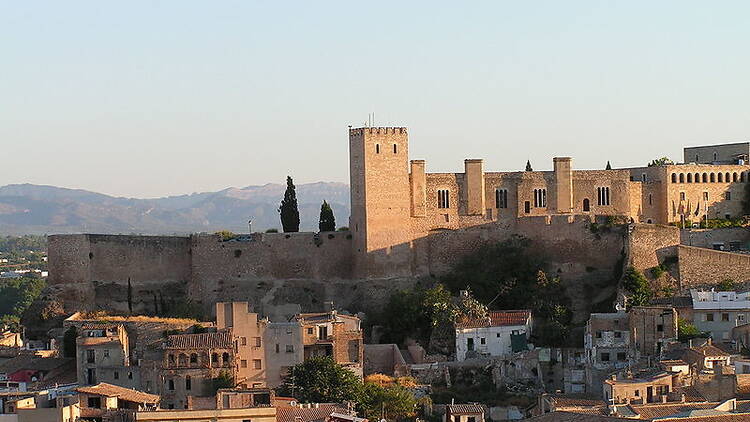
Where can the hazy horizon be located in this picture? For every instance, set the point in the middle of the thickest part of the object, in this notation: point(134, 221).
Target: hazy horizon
point(153, 99)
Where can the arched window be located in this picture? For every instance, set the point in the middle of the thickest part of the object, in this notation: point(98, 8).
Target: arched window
point(716, 156)
point(170, 385)
point(713, 177)
point(586, 205)
point(705, 177)
point(720, 178)
point(540, 198)
point(742, 177)
point(674, 178)
point(443, 198)
point(727, 178)
point(734, 177)
point(602, 196)
point(170, 357)
point(501, 198)
point(188, 383)
point(697, 178)
point(648, 221)
point(182, 359)
point(225, 358)
point(204, 359)
point(690, 178)
point(193, 358)
point(214, 359)
point(682, 178)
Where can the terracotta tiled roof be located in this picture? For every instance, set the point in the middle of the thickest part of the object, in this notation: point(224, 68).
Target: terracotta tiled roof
point(497, 319)
point(32, 362)
point(575, 417)
point(736, 417)
point(99, 325)
point(465, 408)
point(710, 350)
point(307, 414)
point(691, 393)
point(219, 340)
point(109, 390)
point(576, 400)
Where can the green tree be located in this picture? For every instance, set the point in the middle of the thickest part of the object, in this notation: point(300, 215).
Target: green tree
point(528, 166)
point(638, 286)
point(726, 285)
point(609, 166)
point(321, 380)
point(224, 380)
point(663, 161)
point(686, 330)
point(288, 208)
point(390, 402)
point(327, 221)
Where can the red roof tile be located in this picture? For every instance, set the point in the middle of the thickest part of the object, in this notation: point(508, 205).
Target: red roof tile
point(307, 414)
point(497, 319)
point(219, 340)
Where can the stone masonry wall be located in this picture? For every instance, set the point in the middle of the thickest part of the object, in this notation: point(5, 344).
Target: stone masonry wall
point(701, 267)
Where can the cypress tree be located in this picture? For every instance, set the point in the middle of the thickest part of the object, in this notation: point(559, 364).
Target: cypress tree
point(609, 166)
point(327, 221)
point(528, 166)
point(288, 208)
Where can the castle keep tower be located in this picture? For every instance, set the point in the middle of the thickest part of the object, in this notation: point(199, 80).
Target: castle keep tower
point(380, 199)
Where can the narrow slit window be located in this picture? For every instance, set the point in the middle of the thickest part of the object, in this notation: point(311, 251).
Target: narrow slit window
point(443, 198)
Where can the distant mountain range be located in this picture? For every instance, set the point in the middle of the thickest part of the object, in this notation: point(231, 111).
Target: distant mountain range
point(36, 209)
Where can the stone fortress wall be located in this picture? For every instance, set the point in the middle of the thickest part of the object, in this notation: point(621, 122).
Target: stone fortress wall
point(408, 224)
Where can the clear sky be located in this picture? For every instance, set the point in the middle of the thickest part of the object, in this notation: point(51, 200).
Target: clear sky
point(150, 98)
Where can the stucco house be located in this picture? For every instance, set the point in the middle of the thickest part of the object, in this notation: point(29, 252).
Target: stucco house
point(500, 334)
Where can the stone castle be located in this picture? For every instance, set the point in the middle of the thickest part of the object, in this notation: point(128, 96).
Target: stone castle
point(395, 202)
point(408, 224)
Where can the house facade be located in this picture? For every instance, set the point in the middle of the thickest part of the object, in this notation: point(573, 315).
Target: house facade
point(501, 334)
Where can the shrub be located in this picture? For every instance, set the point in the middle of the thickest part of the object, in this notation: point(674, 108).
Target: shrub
point(272, 231)
point(638, 286)
point(726, 285)
point(342, 229)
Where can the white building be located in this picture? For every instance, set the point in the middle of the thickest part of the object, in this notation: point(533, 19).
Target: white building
point(719, 312)
point(493, 336)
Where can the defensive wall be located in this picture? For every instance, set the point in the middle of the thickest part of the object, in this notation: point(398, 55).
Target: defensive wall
point(728, 238)
point(700, 267)
point(285, 273)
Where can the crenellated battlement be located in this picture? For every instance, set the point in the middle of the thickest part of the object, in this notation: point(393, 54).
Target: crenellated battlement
point(376, 130)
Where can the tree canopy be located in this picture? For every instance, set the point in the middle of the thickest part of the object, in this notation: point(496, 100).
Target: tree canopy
point(321, 380)
point(327, 222)
point(638, 286)
point(663, 161)
point(288, 209)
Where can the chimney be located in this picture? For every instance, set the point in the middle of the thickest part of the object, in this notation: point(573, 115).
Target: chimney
point(328, 306)
point(663, 398)
point(682, 398)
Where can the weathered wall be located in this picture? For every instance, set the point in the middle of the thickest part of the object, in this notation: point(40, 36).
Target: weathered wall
point(701, 267)
point(650, 244)
point(706, 238)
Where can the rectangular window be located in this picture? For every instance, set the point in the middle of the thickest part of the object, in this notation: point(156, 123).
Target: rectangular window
point(637, 393)
point(705, 196)
point(95, 402)
point(501, 198)
point(106, 353)
point(290, 348)
point(602, 196)
point(709, 317)
point(621, 356)
point(741, 317)
point(482, 340)
point(116, 375)
point(243, 363)
point(725, 317)
point(310, 330)
point(598, 334)
point(659, 327)
point(90, 356)
point(243, 341)
point(618, 334)
point(257, 341)
point(605, 357)
point(728, 195)
point(682, 196)
point(256, 364)
point(277, 347)
point(443, 198)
